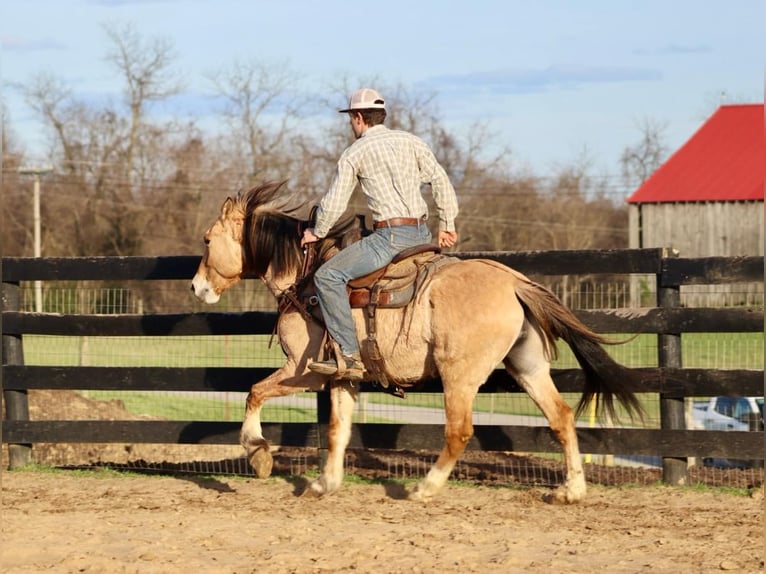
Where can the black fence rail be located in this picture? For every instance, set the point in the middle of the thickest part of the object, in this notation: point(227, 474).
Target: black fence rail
point(668, 320)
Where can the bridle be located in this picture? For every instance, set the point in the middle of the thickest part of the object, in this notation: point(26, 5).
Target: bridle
point(292, 298)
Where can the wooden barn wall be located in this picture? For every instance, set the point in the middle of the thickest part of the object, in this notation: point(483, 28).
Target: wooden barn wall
point(706, 229)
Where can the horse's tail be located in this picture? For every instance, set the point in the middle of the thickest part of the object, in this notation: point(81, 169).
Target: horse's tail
point(605, 379)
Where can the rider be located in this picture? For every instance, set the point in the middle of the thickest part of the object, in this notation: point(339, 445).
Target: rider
point(390, 166)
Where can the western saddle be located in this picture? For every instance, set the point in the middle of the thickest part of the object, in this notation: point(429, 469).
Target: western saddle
point(392, 286)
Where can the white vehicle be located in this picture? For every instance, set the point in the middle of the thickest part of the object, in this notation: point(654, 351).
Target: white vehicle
point(729, 413)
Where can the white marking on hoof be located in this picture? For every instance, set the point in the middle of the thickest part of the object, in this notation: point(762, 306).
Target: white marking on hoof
point(315, 489)
point(420, 494)
point(262, 462)
point(563, 495)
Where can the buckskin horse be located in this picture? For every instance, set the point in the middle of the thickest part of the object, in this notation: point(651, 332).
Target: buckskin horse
point(465, 319)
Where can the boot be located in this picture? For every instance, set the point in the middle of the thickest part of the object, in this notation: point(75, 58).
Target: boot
point(354, 367)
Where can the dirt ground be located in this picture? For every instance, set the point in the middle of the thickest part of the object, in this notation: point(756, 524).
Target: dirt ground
point(112, 522)
point(172, 519)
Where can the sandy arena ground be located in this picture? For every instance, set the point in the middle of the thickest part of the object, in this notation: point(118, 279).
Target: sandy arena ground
point(110, 522)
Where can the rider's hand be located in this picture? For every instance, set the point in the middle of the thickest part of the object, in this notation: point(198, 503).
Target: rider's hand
point(308, 236)
point(447, 238)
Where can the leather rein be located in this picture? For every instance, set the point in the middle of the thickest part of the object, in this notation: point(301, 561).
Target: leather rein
point(292, 297)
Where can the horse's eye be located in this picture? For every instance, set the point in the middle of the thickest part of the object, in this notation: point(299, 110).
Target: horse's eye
point(207, 240)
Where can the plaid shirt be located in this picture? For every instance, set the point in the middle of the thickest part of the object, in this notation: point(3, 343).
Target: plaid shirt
point(390, 166)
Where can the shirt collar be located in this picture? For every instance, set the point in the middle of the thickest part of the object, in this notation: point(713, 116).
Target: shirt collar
point(375, 129)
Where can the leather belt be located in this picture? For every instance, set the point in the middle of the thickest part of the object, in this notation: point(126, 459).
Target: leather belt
point(398, 221)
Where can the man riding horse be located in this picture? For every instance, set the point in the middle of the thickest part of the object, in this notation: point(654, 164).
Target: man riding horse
point(390, 166)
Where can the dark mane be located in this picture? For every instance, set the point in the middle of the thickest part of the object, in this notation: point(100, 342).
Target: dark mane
point(273, 230)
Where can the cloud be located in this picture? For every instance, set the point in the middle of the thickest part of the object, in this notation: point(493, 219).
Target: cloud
point(674, 50)
point(17, 44)
point(552, 78)
point(681, 49)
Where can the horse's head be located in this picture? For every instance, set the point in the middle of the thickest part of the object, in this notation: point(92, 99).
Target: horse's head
point(221, 265)
point(259, 233)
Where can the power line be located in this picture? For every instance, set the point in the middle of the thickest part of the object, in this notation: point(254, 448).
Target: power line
point(232, 186)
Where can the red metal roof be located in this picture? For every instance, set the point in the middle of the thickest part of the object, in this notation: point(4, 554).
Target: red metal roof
point(725, 160)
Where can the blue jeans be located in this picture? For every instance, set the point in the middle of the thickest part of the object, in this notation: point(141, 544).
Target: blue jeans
point(358, 259)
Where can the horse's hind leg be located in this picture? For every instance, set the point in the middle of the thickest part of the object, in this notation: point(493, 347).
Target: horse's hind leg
point(343, 398)
point(528, 363)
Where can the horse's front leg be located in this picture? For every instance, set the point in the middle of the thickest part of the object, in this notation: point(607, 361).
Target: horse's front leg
point(343, 397)
point(280, 383)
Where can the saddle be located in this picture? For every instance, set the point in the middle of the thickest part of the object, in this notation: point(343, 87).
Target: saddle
point(395, 284)
point(392, 286)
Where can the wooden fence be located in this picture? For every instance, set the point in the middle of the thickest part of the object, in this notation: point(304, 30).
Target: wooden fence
point(667, 319)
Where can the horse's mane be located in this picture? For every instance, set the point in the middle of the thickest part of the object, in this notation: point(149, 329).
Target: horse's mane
point(272, 232)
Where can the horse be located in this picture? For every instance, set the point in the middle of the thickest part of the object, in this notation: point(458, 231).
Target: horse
point(467, 318)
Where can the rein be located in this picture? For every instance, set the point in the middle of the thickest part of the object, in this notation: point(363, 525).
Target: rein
point(314, 254)
point(291, 297)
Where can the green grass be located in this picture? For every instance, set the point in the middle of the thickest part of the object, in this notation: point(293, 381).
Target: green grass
point(109, 472)
point(99, 472)
point(350, 478)
point(175, 407)
point(167, 406)
point(225, 351)
point(699, 350)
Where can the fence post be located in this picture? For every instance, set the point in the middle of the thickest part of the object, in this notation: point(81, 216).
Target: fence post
point(16, 402)
point(672, 415)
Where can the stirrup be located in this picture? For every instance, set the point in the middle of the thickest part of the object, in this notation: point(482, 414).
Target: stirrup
point(347, 368)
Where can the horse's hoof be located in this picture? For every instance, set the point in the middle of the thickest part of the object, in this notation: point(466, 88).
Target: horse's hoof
point(262, 462)
point(312, 492)
point(315, 489)
point(560, 496)
point(419, 495)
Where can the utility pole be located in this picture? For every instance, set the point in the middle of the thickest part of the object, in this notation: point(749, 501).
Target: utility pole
point(36, 173)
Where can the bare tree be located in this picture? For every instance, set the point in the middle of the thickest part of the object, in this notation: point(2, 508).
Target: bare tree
point(146, 66)
point(128, 185)
point(260, 107)
point(100, 149)
point(642, 159)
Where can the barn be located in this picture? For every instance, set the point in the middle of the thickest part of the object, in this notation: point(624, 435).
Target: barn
point(707, 198)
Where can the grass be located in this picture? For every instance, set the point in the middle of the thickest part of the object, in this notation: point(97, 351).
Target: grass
point(730, 490)
point(224, 351)
point(167, 406)
point(100, 472)
point(175, 407)
point(108, 472)
point(699, 350)
point(350, 478)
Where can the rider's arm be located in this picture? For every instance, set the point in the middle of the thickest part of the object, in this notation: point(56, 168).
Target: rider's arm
point(335, 201)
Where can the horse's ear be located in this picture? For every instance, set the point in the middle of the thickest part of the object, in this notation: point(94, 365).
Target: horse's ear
point(227, 207)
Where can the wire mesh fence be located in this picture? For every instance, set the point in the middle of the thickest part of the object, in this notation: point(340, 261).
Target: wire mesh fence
point(699, 350)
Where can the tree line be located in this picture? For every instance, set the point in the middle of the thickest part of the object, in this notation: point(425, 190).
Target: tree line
point(129, 180)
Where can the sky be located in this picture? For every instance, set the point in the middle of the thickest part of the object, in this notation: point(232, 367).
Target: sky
point(554, 81)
